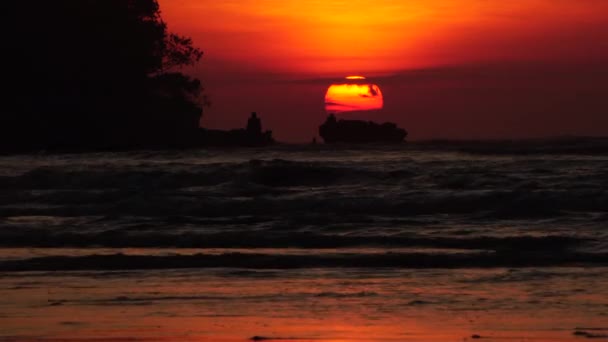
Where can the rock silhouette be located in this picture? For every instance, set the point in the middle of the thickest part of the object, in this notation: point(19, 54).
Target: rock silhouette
point(357, 131)
point(252, 135)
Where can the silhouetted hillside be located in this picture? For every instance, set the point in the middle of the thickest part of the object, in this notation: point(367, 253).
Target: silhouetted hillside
point(89, 74)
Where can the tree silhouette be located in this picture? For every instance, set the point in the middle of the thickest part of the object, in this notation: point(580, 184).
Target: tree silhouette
point(96, 74)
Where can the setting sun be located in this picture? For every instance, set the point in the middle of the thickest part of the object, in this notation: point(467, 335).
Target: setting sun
point(350, 97)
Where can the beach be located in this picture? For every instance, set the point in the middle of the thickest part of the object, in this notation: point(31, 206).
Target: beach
point(305, 243)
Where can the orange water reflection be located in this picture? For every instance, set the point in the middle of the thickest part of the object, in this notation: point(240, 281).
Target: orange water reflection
point(305, 305)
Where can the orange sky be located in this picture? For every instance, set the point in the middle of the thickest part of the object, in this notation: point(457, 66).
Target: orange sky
point(339, 36)
point(248, 41)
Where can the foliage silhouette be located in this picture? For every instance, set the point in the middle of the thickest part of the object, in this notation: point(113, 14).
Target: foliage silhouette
point(96, 74)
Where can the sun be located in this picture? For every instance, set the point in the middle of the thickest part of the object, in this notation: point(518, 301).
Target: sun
point(353, 96)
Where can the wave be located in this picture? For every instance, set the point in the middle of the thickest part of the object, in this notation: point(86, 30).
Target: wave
point(122, 238)
point(535, 274)
point(488, 204)
point(275, 172)
point(487, 189)
point(267, 261)
point(578, 145)
point(150, 299)
point(452, 173)
point(317, 199)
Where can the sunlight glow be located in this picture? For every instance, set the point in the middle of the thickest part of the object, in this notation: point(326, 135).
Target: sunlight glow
point(333, 37)
point(342, 98)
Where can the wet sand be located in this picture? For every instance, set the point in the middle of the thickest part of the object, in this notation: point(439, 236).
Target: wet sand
point(226, 305)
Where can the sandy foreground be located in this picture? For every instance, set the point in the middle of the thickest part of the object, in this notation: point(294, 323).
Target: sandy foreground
point(557, 304)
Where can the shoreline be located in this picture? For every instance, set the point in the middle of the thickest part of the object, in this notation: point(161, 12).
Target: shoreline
point(306, 305)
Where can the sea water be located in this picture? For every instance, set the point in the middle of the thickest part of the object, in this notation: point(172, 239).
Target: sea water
point(415, 242)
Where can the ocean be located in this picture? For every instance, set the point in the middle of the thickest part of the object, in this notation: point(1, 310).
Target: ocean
point(436, 241)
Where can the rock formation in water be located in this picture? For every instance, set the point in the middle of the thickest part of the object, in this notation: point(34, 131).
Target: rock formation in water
point(252, 135)
point(357, 131)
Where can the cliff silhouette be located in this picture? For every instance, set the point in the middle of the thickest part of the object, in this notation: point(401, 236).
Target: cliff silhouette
point(357, 131)
point(96, 74)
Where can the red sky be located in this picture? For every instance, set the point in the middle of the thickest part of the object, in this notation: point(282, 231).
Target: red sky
point(464, 69)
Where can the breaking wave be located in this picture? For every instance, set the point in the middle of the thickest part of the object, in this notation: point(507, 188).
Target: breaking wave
point(266, 261)
point(551, 201)
point(243, 239)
